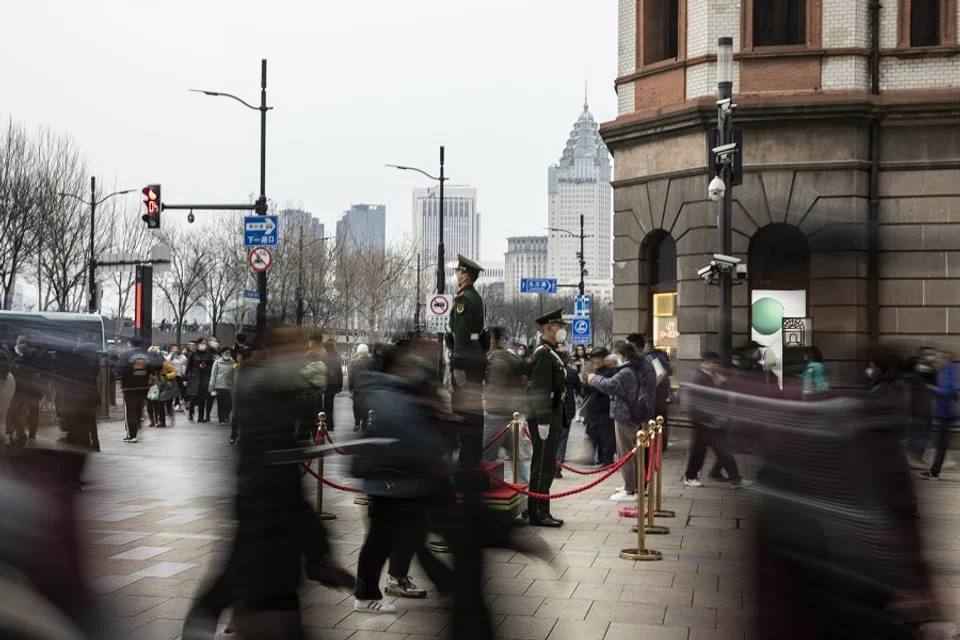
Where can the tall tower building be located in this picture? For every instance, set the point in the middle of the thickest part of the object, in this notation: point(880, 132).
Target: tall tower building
point(526, 257)
point(461, 232)
point(363, 227)
point(580, 185)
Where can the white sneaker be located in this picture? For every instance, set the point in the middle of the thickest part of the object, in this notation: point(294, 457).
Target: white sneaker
point(692, 483)
point(624, 496)
point(373, 606)
point(130, 440)
point(741, 483)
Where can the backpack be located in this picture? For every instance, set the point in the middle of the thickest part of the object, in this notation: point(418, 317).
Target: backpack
point(638, 407)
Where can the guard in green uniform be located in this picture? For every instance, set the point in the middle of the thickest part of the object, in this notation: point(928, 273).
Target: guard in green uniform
point(468, 361)
point(548, 386)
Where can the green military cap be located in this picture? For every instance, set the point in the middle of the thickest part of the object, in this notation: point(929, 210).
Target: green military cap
point(468, 265)
point(553, 316)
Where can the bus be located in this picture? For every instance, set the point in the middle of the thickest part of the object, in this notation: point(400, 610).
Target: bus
point(52, 330)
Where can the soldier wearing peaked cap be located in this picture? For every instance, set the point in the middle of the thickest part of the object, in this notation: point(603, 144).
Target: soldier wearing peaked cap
point(548, 386)
point(468, 361)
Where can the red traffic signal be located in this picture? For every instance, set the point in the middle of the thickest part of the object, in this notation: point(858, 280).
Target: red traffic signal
point(151, 199)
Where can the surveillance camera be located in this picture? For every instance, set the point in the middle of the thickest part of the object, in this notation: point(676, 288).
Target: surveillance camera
point(717, 189)
point(723, 103)
point(727, 261)
point(190, 217)
point(725, 149)
point(706, 273)
point(741, 272)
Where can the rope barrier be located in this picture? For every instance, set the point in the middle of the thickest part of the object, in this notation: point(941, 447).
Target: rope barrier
point(330, 440)
point(585, 472)
point(332, 485)
point(563, 494)
point(490, 443)
point(649, 472)
point(659, 456)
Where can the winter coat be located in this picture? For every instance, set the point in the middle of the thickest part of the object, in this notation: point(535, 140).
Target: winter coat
point(33, 370)
point(334, 370)
point(574, 389)
point(315, 375)
point(624, 392)
point(504, 392)
point(167, 372)
point(418, 463)
point(663, 389)
point(221, 376)
point(199, 368)
point(356, 370)
point(945, 392)
point(596, 405)
point(815, 379)
point(136, 368)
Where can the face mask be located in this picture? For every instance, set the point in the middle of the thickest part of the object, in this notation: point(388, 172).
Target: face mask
point(203, 347)
point(214, 345)
point(869, 372)
point(521, 352)
point(931, 358)
point(561, 336)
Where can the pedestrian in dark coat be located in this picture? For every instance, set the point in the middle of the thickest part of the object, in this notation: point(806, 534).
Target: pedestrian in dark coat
point(199, 367)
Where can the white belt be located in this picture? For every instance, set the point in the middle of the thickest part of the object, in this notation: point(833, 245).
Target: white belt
point(474, 336)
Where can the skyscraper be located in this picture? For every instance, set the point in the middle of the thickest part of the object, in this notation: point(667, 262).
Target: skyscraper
point(526, 257)
point(580, 185)
point(363, 227)
point(461, 233)
point(293, 221)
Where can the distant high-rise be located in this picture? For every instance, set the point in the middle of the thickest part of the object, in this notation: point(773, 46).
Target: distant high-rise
point(580, 185)
point(461, 223)
point(293, 221)
point(526, 257)
point(363, 227)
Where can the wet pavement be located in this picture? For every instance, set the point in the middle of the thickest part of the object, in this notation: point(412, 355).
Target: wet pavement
point(157, 517)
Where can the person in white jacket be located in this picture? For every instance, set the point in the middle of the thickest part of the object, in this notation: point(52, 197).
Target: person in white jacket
point(221, 384)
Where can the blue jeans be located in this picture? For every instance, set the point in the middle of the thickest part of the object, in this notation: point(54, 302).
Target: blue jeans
point(941, 440)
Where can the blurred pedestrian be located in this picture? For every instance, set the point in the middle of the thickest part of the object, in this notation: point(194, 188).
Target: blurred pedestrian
point(504, 393)
point(313, 381)
point(33, 370)
point(816, 382)
point(334, 381)
point(357, 368)
point(596, 407)
point(660, 362)
point(136, 367)
point(221, 384)
point(944, 393)
point(579, 361)
point(77, 380)
point(921, 374)
point(573, 396)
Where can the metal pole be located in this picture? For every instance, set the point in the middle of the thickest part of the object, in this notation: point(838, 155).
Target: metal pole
point(262, 201)
point(583, 261)
point(92, 302)
point(516, 448)
point(441, 285)
point(300, 278)
point(724, 233)
point(416, 312)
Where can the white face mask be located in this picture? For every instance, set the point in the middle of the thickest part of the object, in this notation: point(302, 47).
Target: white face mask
point(203, 347)
point(561, 336)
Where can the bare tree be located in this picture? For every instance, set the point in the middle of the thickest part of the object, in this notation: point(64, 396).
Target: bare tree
point(182, 284)
point(226, 268)
point(20, 195)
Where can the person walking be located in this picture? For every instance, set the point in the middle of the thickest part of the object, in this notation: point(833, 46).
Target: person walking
point(944, 393)
point(921, 377)
point(357, 368)
point(548, 388)
point(660, 362)
point(199, 366)
point(135, 367)
point(503, 395)
point(631, 395)
point(164, 379)
point(313, 381)
point(710, 431)
point(179, 361)
point(334, 381)
point(33, 371)
point(221, 384)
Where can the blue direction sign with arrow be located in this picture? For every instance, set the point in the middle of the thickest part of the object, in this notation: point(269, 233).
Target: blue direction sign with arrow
point(538, 285)
point(581, 331)
point(261, 231)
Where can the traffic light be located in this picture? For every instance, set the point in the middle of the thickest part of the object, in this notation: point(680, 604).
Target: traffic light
point(151, 199)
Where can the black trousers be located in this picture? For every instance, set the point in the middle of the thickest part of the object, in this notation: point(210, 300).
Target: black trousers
point(133, 404)
point(716, 439)
point(395, 523)
point(157, 412)
point(224, 404)
point(662, 409)
point(401, 555)
point(542, 465)
point(601, 431)
point(328, 399)
point(25, 409)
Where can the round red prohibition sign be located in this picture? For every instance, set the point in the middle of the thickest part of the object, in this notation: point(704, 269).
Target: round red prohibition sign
point(260, 259)
point(439, 305)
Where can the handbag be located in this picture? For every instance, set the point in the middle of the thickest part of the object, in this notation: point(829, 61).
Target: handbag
point(154, 393)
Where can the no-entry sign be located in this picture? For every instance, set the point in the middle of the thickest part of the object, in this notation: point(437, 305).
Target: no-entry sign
point(260, 259)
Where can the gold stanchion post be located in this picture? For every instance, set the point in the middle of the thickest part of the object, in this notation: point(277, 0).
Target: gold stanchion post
point(660, 512)
point(640, 553)
point(364, 500)
point(516, 447)
point(651, 527)
point(321, 438)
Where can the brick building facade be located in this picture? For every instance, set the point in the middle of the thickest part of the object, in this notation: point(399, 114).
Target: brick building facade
point(850, 201)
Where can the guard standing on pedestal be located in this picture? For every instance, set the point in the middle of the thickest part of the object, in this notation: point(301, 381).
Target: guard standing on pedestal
point(548, 387)
point(468, 362)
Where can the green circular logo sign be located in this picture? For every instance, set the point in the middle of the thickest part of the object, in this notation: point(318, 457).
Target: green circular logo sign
point(767, 316)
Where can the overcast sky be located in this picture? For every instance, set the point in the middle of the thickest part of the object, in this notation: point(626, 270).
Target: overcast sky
point(355, 85)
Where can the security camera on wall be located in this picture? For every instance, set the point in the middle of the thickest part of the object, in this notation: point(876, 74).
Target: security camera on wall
point(717, 189)
point(726, 261)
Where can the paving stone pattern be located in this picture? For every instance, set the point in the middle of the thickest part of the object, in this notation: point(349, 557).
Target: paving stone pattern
point(157, 518)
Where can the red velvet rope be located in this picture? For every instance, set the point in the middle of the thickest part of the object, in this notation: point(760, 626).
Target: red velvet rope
point(659, 458)
point(650, 457)
point(585, 472)
point(562, 494)
point(332, 485)
point(488, 444)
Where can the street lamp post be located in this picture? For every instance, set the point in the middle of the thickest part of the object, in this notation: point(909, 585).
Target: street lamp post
point(441, 276)
point(261, 204)
point(581, 258)
point(92, 264)
point(725, 204)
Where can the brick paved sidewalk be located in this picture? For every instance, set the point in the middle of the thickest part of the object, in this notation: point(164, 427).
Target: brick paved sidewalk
point(157, 516)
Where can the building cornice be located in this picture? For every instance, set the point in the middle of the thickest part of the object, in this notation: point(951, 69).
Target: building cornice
point(700, 114)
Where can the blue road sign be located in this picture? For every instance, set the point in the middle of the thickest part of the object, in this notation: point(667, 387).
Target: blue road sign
point(581, 331)
point(261, 231)
point(538, 285)
point(252, 295)
point(581, 306)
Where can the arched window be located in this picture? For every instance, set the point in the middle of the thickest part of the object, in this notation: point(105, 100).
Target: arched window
point(661, 256)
